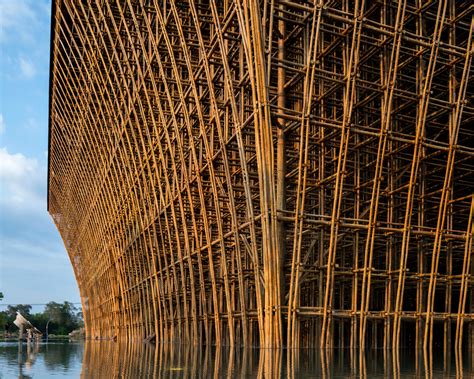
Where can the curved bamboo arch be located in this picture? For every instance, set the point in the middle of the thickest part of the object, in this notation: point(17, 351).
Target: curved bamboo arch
point(272, 173)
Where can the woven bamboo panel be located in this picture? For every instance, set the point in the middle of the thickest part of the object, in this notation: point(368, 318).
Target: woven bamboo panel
point(271, 173)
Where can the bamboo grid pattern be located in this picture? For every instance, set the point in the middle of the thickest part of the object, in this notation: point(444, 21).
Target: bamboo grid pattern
point(273, 173)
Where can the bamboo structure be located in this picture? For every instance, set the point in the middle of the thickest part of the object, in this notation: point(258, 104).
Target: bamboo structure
point(266, 173)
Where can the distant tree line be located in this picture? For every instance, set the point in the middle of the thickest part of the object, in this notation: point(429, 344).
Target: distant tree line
point(57, 318)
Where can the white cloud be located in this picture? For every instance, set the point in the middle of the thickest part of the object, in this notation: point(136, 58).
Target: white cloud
point(14, 16)
point(30, 245)
point(46, 256)
point(41, 263)
point(22, 182)
point(27, 234)
point(27, 68)
point(2, 124)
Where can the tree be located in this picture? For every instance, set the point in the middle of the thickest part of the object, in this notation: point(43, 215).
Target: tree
point(62, 318)
point(24, 309)
point(57, 318)
point(9, 315)
point(3, 321)
point(39, 321)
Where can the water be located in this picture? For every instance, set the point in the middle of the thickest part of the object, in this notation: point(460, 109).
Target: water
point(107, 359)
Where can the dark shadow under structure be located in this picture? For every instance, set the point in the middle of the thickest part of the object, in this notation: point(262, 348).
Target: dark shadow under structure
point(266, 173)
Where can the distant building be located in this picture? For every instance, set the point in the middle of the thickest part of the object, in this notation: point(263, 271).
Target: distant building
point(281, 173)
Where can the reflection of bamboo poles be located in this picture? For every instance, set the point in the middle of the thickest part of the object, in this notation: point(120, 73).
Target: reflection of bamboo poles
point(270, 364)
point(459, 363)
point(274, 173)
point(325, 368)
point(107, 359)
point(428, 362)
point(131, 359)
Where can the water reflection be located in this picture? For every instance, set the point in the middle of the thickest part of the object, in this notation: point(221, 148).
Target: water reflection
point(26, 363)
point(170, 361)
point(28, 360)
point(108, 359)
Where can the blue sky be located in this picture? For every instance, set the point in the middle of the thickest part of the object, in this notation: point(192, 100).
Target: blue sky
point(34, 266)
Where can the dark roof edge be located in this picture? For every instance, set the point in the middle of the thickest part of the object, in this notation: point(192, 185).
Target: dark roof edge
point(51, 65)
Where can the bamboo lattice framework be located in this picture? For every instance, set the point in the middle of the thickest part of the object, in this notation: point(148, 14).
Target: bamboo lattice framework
point(273, 173)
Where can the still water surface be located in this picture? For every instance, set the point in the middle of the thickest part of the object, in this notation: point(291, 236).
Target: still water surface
point(103, 359)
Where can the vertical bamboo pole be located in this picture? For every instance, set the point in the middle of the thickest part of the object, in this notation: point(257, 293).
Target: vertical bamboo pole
point(281, 150)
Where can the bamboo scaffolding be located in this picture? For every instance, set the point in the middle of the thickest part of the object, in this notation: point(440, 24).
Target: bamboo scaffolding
point(266, 173)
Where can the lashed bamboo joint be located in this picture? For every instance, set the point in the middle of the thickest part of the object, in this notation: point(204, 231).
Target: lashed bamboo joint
point(272, 173)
